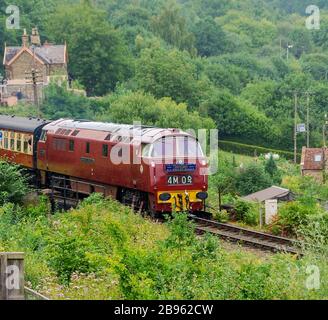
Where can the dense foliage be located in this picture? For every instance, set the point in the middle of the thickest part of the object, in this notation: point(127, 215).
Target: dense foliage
point(104, 251)
point(13, 183)
point(223, 59)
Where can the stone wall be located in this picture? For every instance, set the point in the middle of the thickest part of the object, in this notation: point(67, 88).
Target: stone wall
point(316, 174)
point(26, 90)
point(25, 62)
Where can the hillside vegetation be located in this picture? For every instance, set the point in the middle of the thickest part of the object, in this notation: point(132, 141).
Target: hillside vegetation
point(188, 63)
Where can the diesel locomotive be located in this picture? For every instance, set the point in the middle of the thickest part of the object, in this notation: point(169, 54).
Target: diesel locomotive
point(154, 169)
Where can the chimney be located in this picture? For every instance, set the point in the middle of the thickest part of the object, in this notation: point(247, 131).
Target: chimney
point(25, 39)
point(35, 37)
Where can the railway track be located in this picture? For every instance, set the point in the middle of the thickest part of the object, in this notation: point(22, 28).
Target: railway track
point(260, 240)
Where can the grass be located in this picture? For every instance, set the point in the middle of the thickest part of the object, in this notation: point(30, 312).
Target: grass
point(240, 159)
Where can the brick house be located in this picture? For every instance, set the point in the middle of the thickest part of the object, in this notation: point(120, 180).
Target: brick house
point(313, 162)
point(48, 59)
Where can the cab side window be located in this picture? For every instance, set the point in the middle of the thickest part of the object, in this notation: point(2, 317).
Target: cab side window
point(87, 147)
point(71, 145)
point(105, 150)
point(43, 136)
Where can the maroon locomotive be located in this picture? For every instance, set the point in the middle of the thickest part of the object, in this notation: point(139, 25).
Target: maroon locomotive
point(159, 170)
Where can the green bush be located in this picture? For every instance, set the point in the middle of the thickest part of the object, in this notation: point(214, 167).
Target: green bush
point(221, 216)
point(252, 178)
point(68, 255)
point(294, 215)
point(13, 183)
point(246, 212)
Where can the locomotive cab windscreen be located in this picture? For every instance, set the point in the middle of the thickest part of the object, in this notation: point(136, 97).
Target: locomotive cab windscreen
point(174, 147)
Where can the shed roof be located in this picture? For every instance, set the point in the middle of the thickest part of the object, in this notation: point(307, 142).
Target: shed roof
point(268, 194)
point(20, 123)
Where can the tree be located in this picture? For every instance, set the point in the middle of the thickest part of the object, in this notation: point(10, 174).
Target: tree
point(236, 118)
point(252, 179)
point(127, 107)
point(98, 57)
point(167, 73)
point(171, 26)
point(271, 167)
point(224, 180)
point(210, 38)
point(60, 103)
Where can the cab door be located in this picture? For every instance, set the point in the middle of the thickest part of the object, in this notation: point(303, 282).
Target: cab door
point(42, 151)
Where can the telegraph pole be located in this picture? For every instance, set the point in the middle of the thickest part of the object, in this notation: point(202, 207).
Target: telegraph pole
point(33, 77)
point(295, 128)
point(324, 158)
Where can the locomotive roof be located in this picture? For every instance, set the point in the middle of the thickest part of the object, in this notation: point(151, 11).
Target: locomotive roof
point(20, 123)
point(147, 133)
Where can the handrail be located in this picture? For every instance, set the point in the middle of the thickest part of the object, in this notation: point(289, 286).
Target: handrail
point(35, 295)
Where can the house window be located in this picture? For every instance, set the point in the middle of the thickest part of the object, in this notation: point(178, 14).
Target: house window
point(317, 158)
point(105, 150)
point(87, 147)
point(71, 145)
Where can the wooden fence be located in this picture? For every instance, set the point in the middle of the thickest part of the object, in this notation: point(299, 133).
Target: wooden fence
point(12, 282)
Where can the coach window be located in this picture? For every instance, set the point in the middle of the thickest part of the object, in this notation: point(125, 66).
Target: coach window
point(6, 140)
point(105, 150)
point(19, 142)
point(12, 141)
point(87, 147)
point(25, 146)
point(71, 145)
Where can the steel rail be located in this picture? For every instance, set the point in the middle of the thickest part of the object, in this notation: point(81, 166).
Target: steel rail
point(245, 236)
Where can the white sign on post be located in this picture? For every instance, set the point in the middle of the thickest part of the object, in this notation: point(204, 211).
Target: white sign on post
point(271, 210)
point(301, 128)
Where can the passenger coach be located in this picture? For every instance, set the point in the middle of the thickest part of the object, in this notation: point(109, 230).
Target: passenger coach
point(18, 139)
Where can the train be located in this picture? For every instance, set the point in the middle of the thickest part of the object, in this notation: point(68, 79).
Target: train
point(155, 169)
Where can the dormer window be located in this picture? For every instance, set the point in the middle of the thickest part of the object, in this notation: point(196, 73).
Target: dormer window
point(317, 158)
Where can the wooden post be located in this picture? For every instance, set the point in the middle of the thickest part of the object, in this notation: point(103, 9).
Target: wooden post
point(12, 276)
point(308, 120)
point(295, 128)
